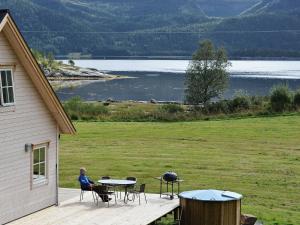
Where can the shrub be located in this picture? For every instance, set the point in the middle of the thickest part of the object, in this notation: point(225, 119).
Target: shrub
point(172, 108)
point(71, 62)
point(93, 109)
point(281, 98)
point(257, 101)
point(296, 100)
point(240, 103)
point(77, 109)
point(73, 104)
point(217, 107)
point(74, 116)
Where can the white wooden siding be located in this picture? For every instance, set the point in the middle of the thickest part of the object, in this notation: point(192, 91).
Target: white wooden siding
point(29, 121)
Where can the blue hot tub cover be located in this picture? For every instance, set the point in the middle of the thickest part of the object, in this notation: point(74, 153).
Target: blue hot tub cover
point(211, 195)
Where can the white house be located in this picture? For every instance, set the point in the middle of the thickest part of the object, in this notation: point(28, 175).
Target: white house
point(31, 119)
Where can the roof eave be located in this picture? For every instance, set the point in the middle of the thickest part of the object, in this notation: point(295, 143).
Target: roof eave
point(10, 29)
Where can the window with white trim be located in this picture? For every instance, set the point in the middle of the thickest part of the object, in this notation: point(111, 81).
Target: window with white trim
point(39, 165)
point(7, 95)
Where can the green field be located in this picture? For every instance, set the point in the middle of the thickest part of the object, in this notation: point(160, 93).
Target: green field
point(258, 157)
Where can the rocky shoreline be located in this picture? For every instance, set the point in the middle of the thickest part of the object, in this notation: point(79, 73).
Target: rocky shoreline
point(69, 72)
point(72, 76)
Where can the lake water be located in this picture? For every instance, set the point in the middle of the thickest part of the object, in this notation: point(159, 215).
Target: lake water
point(163, 80)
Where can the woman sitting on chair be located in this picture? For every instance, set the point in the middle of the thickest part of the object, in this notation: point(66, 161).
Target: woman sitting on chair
point(89, 185)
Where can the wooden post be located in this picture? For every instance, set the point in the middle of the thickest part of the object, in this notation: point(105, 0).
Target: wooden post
point(176, 214)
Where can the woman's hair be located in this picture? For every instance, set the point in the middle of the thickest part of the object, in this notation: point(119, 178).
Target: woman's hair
point(82, 170)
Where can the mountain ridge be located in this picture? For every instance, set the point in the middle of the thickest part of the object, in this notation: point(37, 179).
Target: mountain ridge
point(152, 27)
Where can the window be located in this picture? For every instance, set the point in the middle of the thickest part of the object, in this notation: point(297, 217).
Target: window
point(39, 165)
point(6, 88)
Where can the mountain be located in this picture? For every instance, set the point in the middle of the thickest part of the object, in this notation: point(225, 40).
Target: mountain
point(158, 28)
point(269, 28)
point(274, 6)
point(63, 26)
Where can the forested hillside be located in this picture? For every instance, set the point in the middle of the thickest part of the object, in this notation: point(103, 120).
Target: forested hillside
point(158, 28)
point(270, 28)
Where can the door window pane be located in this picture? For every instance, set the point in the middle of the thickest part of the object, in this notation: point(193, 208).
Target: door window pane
point(39, 165)
point(42, 155)
point(36, 156)
point(3, 78)
point(5, 95)
point(11, 95)
point(36, 169)
point(7, 89)
point(9, 78)
point(42, 169)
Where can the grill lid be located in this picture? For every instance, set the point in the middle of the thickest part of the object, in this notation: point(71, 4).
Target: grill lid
point(170, 176)
point(211, 195)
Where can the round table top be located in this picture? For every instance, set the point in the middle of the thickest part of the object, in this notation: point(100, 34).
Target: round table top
point(117, 182)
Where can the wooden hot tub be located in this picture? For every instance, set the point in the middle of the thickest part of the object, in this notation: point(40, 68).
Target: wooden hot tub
point(210, 207)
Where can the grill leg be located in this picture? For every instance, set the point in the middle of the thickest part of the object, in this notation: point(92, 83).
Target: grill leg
point(167, 187)
point(172, 190)
point(160, 191)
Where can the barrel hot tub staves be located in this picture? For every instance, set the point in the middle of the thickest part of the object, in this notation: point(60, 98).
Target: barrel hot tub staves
point(210, 207)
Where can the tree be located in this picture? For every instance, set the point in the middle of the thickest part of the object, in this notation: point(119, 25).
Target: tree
point(71, 62)
point(206, 76)
point(297, 99)
point(281, 98)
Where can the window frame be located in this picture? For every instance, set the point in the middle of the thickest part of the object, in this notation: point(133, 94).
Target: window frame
point(44, 179)
point(1, 88)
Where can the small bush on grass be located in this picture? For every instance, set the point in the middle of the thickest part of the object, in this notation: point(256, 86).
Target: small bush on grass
point(296, 99)
point(239, 103)
point(259, 104)
point(281, 98)
point(217, 107)
point(77, 109)
point(74, 116)
point(172, 108)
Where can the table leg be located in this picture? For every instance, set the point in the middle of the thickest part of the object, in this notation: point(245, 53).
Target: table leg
point(125, 194)
point(119, 189)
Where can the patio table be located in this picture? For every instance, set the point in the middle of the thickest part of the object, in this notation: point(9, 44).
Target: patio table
point(116, 182)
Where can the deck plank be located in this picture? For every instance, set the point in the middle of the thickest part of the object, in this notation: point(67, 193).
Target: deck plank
point(72, 212)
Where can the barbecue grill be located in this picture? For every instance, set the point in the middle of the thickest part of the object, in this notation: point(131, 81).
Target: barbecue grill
point(170, 176)
point(169, 179)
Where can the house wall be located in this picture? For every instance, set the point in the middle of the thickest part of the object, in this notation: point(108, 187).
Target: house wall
point(29, 121)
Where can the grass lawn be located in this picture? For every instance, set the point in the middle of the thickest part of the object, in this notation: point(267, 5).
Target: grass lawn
point(258, 157)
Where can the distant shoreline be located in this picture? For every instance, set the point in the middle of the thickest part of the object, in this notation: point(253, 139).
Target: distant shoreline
point(72, 82)
point(179, 58)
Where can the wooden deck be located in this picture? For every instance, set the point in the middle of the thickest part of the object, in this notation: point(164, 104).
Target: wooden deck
point(73, 212)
